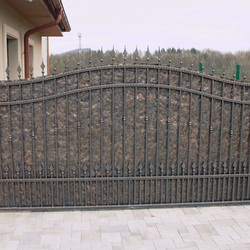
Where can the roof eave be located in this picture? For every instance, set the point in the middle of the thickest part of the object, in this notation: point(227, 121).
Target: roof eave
point(51, 6)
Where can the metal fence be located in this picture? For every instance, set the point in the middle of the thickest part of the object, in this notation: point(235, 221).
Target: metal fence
point(124, 135)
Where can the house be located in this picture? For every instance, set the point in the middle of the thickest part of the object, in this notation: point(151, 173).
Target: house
point(30, 17)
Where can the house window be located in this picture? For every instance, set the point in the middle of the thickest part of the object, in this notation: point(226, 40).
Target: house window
point(31, 52)
point(12, 56)
point(12, 50)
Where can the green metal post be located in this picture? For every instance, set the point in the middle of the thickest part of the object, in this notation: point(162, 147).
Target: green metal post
point(200, 67)
point(238, 72)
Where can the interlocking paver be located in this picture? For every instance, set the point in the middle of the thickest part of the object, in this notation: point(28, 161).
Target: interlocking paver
point(223, 240)
point(170, 234)
point(141, 213)
point(172, 226)
point(110, 237)
point(150, 233)
point(91, 236)
point(206, 230)
point(81, 225)
point(132, 241)
point(137, 224)
point(31, 238)
point(164, 243)
point(239, 246)
point(153, 220)
point(9, 245)
point(114, 228)
point(101, 245)
point(191, 210)
point(224, 227)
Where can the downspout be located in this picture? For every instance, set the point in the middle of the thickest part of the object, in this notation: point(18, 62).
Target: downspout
point(47, 55)
point(35, 30)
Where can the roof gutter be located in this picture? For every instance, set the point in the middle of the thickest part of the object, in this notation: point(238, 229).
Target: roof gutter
point(35, 30)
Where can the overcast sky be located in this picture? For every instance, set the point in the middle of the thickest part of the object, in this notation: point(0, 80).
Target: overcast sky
point(222, 25)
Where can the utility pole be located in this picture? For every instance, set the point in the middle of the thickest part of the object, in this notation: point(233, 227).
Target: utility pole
point(80, 38)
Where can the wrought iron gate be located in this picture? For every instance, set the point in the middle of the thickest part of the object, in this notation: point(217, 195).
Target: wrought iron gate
point(123, 135)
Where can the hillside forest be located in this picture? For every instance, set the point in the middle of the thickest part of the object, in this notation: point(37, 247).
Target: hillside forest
point(208, 61)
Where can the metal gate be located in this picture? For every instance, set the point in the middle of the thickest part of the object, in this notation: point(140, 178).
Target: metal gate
point(124, 135)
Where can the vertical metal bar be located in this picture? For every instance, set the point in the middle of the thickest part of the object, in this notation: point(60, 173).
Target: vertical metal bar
point(74, 182)
point(220, 169)
point(240, 160)
point(193, 180)
point(22, 145)
point(244, 181)
point(101, 141)
point(29, 173)
point(189, 135)
point(230, 145)
point(146, 141)
point(157, 141)
point(18, 185)
point(151, 194)
point(234, 180)
point(200, 147)
point(52, 190)
point(8, 191)
point(118, 188)
point(178, 141)
point(45, 145)
point(161, 194)
point(210, 141)
point(203, 181)
point(129, 188)
point(248, 182)
point(124, 134)
point(172, 184)
point(84, 200)
point(63, 187)
point(214, 181)
point(135, 153)
point(1, 173)
point(183, 181)
point(224, 179)
point(1, 170)
point(67, 134)
point(11, 150)
point(168, 134)
point(79, 137)
point(107, 190)
point(41, 188)
point(90, 143)
point(90, 124)
point(113, 132)
point(240, 155)
point(56, 139)
point(33, 143)
point(140, 187)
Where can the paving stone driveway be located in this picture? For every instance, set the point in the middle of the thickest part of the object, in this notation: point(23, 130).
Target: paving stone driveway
point(221, 227)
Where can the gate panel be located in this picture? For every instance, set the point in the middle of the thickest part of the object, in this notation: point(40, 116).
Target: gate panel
point(139, 135)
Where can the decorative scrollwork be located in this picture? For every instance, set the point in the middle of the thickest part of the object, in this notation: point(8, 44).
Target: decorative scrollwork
point(40, 168)
point(85, 168)
point(151, 167)
point(130, 168)
point(96, 169)
point(140, 166)
point(162, 167)
point(119, 167)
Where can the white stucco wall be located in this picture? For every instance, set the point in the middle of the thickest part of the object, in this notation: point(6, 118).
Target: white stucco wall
point(44, 53)
point(12, 22)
